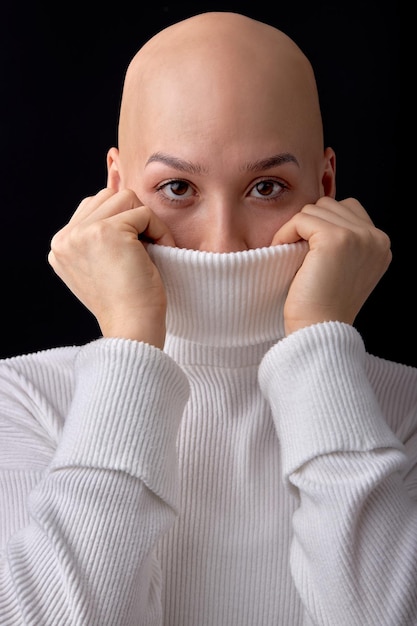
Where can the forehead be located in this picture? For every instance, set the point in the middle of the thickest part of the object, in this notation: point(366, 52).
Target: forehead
point(219, 99)
point(215, 114)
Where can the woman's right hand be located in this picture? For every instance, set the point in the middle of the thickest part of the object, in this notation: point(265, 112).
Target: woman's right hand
point(100, 257)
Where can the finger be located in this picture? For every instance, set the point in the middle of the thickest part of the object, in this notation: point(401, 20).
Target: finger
point(107, 203)
point(90, 204)
point(326, 212)
point(305, 226)
point(145, 224)
point(349, 208)
point(356, 207)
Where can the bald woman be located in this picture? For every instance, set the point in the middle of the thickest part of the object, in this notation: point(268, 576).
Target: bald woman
point(226, 453)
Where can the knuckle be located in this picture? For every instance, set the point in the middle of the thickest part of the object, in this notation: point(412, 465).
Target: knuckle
point(130, 196)
point(57, 241)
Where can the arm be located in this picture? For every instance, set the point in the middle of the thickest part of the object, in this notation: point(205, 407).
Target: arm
point(354, 550)
point(110, 489)
point(106, 497)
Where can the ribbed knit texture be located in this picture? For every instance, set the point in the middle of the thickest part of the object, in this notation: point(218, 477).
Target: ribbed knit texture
point(240, 478)
point(226, 300)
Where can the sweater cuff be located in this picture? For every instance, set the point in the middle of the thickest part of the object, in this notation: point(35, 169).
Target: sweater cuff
point(320, 396)
point(128, 402)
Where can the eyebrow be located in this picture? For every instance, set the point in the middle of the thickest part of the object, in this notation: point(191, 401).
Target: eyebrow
point(176, 163)
point(270, 162)
point(195, 168)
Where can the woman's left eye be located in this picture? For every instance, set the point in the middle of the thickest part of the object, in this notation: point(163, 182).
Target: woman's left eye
point(175, 189)
point(267, 189)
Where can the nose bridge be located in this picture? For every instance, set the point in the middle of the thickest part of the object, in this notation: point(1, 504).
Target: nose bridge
point(224, 225)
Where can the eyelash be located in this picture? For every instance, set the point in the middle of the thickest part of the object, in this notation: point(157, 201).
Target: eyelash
point(161, 189)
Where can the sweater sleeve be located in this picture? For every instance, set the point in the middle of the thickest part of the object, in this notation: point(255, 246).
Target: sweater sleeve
point(108, 493)
point(354, 547)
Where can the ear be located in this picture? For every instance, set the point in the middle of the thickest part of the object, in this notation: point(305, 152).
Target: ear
point(113, 172)
point(328, 180)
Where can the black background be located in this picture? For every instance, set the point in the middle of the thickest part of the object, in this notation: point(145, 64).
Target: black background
point(62, 68)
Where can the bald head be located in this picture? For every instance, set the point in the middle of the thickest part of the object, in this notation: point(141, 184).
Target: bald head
point(220, 66)
point(220, 117)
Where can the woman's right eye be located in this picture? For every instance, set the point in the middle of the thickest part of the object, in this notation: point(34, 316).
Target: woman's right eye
point(176, 189)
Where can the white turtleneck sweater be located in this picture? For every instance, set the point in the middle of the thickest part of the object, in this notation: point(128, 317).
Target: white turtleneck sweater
point(237, 478)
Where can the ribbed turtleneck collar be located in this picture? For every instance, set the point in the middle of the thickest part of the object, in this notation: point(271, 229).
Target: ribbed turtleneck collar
point(227, 300)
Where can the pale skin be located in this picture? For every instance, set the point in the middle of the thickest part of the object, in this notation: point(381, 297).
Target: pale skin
point(221, 150)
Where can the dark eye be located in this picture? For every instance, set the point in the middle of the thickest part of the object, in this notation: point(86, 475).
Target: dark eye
point(174, 189)
point(267, 189)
